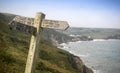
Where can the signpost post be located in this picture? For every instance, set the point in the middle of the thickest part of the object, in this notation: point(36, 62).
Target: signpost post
point(30, 65)
point(34, 27)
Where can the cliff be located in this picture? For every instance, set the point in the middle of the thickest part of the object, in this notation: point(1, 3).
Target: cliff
point(14, 47)
point(79, 65)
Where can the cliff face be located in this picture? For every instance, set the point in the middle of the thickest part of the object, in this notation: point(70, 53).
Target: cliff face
point(79, 65)
point(55, 36)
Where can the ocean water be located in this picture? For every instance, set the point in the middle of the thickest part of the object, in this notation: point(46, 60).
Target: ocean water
point(103, 56)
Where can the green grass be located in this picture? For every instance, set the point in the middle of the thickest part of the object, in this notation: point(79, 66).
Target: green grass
point(14, 48)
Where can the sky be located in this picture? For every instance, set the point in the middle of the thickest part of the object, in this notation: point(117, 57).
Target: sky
point(78, 13)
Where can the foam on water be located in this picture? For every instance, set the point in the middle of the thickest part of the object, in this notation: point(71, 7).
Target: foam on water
point(84, 55)
point(99, 40)
point(97, 71)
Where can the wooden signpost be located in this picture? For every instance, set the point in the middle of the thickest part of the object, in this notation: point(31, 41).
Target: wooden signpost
point(33, 26)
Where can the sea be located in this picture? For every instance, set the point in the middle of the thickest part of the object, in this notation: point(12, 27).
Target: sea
point(102, 56)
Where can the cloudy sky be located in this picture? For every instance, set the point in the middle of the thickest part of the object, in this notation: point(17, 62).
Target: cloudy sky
point(78, 13)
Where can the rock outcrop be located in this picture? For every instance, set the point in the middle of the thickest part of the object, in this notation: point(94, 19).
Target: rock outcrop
point(79, 65)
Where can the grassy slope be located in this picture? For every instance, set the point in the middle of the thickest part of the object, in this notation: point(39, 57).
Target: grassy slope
point(14, 48)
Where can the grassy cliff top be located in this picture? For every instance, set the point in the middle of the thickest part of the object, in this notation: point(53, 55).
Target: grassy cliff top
point(14, 48)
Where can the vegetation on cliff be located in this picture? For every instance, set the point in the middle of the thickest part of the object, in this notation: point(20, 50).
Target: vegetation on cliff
point(14, 48)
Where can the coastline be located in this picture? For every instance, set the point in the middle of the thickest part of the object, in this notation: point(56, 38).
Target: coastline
point(65, 47)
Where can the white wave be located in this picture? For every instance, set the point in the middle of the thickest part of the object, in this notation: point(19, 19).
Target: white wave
point(65, 47)
point(106, 40)
point(63, 44)
point(97, 71)
point(78, 41)
point(84, 55)
point(99, 40)
point(113, 39)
